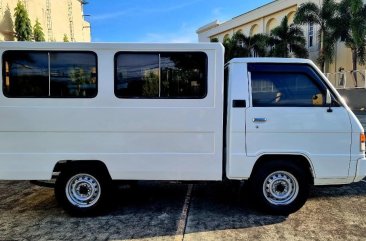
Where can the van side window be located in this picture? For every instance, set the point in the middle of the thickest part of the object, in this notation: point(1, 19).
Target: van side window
point(170, 75)
point(285, 89)
point(43, 74)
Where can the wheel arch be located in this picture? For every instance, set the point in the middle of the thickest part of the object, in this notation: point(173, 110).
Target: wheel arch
point(87, 164)
point(297, 159)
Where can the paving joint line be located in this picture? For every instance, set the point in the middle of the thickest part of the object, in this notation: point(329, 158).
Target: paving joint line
point(182, 224)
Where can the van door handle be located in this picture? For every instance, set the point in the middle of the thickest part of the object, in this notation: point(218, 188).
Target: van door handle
point(259, 119)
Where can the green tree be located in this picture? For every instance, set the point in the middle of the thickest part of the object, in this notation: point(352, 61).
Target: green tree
point(23, 27)
point(66, 39)
point(7, 24)
point(79, 77)
point(234, 47)
point(38, 34)
point(351, 28)
point(151, 84)
point(324, 17)
point(256, 44)
point(240, 45)
point(288, 38)
point(214, 40)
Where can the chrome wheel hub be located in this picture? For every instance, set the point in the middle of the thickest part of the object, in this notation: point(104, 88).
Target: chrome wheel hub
point(83, 190)
point(280, 188)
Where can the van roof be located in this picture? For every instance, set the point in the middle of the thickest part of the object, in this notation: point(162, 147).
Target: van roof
point(270, 60)
point(110, 46)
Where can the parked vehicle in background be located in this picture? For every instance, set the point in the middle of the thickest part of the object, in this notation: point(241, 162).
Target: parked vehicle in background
point(91, 113)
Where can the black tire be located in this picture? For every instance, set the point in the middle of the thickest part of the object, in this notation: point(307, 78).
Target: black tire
point(88, 195)
point(286, 190)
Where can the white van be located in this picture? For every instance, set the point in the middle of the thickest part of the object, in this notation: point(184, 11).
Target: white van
point(90, 113)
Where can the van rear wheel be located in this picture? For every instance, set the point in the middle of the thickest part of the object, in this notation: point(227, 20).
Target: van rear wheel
point(280, 187)
point(82, 191)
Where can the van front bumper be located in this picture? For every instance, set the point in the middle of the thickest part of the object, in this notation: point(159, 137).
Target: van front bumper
point(361, 170)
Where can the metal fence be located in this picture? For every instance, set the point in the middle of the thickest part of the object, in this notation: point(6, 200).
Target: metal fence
point(348, 79)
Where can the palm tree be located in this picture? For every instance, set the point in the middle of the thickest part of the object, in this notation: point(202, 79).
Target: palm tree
point(288, 38)
point(324, 17)
point(214, 40)
point(234, 47)
point(351, 29)
point(257, 45)
point(240, 45)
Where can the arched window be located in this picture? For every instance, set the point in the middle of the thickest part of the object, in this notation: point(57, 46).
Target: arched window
point(271, 24)
point(291, 17)
point(226, 37)
point(240, 42)
point(254, 30)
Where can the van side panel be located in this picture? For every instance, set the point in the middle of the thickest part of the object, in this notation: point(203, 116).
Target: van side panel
point(137, 139)
point(236, 159)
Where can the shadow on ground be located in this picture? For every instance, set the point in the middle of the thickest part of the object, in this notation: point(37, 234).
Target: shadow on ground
point(222, 206)
point(31, 212)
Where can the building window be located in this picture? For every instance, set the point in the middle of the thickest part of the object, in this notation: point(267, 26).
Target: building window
point(42, 74)
point(311, 35)
point(171, 75)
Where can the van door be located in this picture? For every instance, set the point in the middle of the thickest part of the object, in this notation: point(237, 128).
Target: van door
point(288, 115)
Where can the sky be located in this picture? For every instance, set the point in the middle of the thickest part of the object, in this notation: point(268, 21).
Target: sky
point(168, 21)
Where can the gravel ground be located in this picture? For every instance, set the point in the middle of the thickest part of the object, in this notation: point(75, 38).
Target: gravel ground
point(165, 211)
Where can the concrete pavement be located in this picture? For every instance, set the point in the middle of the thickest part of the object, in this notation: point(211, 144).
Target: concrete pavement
point(154, 211)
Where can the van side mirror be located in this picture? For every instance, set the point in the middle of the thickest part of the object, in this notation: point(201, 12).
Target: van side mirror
point(328, 98)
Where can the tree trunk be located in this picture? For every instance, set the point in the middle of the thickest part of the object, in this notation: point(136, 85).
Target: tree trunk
point(354, 64)
point(321, 52)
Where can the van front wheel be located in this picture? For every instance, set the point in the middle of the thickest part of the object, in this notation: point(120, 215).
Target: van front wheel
point(81, 192)
point(280, 188)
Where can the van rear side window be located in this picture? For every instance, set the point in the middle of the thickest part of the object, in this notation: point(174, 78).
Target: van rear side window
point(170, 75)
point(43, 74)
